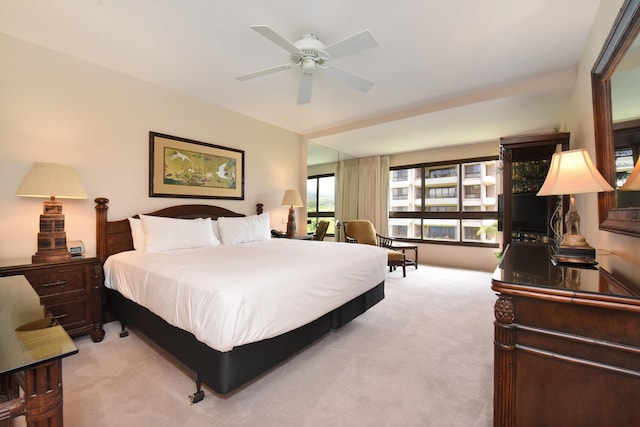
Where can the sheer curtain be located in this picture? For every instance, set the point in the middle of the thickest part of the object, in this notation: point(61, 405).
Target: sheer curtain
point(347, 190)
point(362, 191)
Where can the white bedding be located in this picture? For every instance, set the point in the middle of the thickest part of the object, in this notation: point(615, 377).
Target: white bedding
point(229, 295)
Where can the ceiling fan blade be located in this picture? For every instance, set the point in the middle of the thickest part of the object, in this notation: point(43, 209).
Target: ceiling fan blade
point(355, 43)
point(304, 88)
point(268, 33)
point(264, 72)
point(349, 79)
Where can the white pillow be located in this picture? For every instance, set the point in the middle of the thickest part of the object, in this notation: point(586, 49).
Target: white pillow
point(137, 233)
point(165, 234)
point(244, 229)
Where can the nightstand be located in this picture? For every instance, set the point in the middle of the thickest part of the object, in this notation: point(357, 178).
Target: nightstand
point(71, 291)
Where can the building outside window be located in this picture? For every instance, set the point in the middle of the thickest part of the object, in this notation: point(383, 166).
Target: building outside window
point(453, 202)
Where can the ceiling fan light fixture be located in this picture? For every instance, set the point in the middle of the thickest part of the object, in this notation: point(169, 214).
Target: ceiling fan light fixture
point(308, 65)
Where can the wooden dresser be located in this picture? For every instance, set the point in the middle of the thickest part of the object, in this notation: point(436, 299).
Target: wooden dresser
point(567, 341)
point(71, 291)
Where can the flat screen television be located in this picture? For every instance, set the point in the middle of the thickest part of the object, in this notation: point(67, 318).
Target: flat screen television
point(529, 213)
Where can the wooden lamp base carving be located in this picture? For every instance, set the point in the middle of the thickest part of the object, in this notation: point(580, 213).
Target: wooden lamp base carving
point(52, 239)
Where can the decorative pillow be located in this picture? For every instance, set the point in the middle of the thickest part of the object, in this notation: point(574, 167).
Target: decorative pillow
point(137, 233)
point(244, 229)
point(166, 234)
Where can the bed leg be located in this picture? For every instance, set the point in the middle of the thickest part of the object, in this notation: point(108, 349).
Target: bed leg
point(123, 331)
point(199, 394)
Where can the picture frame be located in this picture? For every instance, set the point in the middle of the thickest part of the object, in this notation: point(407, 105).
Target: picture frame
point(181, 167)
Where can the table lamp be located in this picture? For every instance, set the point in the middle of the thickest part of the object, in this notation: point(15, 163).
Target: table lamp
point(52, 180)
point(633, 181)
point(293, 200)
point(572, 172)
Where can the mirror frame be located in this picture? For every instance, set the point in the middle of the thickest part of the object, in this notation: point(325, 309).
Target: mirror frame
point(624, 30)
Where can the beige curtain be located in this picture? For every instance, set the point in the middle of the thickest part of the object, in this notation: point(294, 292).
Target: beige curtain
point(373, 192)
point(347, 190)
point(362, 191)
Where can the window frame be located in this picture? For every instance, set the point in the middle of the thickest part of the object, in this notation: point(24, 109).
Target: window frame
point(318, 215)
point(459, 215)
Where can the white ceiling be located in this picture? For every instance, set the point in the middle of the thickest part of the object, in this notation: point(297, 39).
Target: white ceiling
point(445, 72)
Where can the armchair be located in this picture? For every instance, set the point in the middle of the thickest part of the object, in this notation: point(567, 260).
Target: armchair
point(362, 231)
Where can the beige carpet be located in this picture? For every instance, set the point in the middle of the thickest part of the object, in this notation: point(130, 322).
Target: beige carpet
point(421, 357)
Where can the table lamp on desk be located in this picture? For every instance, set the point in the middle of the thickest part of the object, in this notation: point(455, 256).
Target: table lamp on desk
point(52, 181)
point(572, 172)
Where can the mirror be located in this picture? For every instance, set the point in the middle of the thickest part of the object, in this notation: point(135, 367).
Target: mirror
point(318, 154)
point(618, 44)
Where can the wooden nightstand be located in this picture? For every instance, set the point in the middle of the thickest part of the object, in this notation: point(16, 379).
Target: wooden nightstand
point(71, 291)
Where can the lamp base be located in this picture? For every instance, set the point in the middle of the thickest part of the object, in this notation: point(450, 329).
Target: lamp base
point(62, 255)
point(291, 223)
point(577, 251)
point(574, 240)
point(52, 239)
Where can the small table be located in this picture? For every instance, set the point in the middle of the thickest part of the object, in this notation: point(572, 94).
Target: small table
point(33, 346)
point(404, 246)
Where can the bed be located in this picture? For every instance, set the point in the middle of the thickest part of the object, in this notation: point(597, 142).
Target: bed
point(234, 333)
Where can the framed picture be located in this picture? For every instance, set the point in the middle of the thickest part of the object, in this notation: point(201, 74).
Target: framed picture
point(180, 167)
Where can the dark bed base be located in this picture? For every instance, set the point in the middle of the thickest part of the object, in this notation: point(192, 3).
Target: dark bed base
point(225, 371)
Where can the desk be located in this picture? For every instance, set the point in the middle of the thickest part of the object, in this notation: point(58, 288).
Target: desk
point(30, 357)
point(566, 346)
point(404, 246)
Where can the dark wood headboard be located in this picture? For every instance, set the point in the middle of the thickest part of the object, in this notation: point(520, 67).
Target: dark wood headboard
point(115, 236)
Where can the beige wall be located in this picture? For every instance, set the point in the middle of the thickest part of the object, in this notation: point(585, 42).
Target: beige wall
point(56, 108)
point(580, 124)
point(59, 109)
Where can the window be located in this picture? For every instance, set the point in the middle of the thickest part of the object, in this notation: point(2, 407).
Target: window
point(452, 202)
point(321, 202)
point(400, 193)
point(405, 189)
point(442, 193)
point(472, 191)
point(400, 175)
point(472, 170)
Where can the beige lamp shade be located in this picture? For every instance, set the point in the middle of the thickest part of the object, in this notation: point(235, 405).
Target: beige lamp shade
point(573, 172)
point(633, 182)
point(52, 180)
point(292, 199)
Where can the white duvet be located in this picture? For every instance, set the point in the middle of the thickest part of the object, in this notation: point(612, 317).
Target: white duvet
point(230, 295)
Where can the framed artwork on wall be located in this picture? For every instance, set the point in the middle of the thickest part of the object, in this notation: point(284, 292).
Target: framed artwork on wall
point(180, 167)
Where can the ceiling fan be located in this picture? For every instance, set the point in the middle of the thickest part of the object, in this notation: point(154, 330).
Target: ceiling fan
point(311, 55)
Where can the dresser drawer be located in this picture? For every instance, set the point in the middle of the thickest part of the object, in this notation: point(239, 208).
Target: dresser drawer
point(71, 315)
point(52, 282)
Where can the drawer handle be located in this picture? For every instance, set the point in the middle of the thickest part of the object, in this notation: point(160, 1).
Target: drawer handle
point(59, 282)
point(60, 316)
